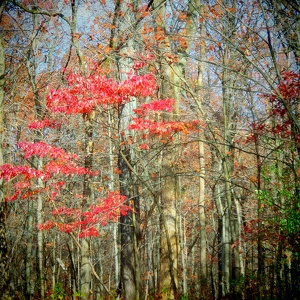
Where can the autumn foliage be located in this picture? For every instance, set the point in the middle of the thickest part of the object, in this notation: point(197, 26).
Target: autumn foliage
point(81, 96)
point(284, 108)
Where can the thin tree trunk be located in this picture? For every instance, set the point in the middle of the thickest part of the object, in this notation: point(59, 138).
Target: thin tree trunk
point(260, 250)
point(4, 273)
point(39, 113)
point(29, 254)
point(85, 268)
point(221, 265)
point(129, 224)
point(40, 238)
point(129, 227)
point(183, 254)
point(201, 203)
point(227, 156)
point(150, 259)
point(202, 217)
point(168, 282)
point(129, 256)
point(112, 187)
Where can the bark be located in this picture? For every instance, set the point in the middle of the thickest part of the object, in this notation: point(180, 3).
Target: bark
point(216, 194)
point(129, 224)
point(168, 283)
point(4, 272)
point(150, 255)
point(30, 285)
point(183, 247)
point(40, 237)
point(201, 203)
point(130, 277)
point(85, 268)
point(260, 250)
point(39, 103)
point(112, 188)
point(169, 244)
point(202, 217)
point(232, 267)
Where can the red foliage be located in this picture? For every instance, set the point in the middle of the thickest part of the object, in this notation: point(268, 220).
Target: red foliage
point(147, 123)
point(83, 94)
point(137, 86)
point(139, 64)
point(60, 163)
point(42, 149)
point(8, 172)
point(289, 87)
point(159, 105)
point(161, 128)
point(144, 147)
point(286, 98)
point(289, 91)
point(43, 123)
point(108, 209)
point(70, 168)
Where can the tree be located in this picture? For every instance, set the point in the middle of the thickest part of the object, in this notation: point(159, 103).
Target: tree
point(4, 274)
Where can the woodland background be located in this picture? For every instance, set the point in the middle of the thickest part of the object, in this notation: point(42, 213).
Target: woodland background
point(149, 149)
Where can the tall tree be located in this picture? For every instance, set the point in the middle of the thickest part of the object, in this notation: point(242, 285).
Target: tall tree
point(169, 243)
point(129, 224)
point(4, 274)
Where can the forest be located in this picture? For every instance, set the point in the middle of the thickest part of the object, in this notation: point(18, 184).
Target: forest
point(149, 149)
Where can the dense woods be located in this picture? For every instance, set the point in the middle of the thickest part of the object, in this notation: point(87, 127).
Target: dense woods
point(149, 149)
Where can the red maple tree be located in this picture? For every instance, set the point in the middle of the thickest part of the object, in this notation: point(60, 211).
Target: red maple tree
point(82, 95)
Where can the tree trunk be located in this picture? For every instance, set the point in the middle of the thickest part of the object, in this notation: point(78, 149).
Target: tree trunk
point(39, 106)
point(29, 254)
point(201, 203)
point(4, 272)
point(169, 244)
point(130, 269)
point(85, 268)
point(85, 263)
point(228, 155)
point(183, 254)
point(202, 217)
point(151, 245)
point(112, 188)
point(40, 236)
point(168, 282)
point(129, 224)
